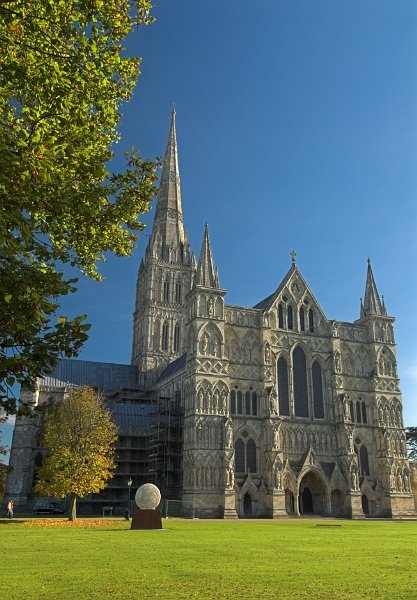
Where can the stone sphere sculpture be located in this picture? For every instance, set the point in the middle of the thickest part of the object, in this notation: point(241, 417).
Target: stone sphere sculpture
point(147, 496)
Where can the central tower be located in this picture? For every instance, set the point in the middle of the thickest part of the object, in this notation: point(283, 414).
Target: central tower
point(164, 276)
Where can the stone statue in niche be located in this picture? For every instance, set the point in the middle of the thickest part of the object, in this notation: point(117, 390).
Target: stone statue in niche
point(229, 433)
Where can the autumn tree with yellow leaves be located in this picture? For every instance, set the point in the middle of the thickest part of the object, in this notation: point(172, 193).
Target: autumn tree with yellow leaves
point(79, 434)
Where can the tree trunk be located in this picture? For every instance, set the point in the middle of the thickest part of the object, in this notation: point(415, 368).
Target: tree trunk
point(72, 511)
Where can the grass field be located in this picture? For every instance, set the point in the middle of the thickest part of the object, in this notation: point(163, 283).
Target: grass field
point(46, 559)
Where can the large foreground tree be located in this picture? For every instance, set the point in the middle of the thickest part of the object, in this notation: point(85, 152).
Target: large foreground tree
point(78, 434)
point(63, 79)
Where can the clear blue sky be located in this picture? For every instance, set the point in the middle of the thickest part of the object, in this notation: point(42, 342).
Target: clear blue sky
point(297, 129)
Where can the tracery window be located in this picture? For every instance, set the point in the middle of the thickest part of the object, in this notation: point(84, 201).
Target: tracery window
point(300, 383)
point(245, 454)
point(283, 395)
point(243, 404)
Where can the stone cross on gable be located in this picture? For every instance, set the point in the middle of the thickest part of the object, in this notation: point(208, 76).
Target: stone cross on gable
point(293, 255)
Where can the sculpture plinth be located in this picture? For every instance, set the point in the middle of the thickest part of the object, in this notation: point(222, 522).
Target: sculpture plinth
point(145, 518)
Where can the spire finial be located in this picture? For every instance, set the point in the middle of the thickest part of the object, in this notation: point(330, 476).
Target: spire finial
point(293, 255)
point(173, 109)
point(369, 261)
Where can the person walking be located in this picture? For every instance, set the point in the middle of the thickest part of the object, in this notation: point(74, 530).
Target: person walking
point(10, 507)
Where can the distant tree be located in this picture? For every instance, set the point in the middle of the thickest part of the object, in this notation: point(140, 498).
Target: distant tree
point(63, 80)
point(78, 434)
point(411, 435)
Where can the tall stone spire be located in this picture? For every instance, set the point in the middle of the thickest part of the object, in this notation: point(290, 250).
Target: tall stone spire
point(206, 275)
point(164, 278)
point(372, 305)
point(168, 222)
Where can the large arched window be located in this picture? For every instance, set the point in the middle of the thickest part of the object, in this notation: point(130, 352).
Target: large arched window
point(280, 317)
point(165, 333)
point(317, 378)
point(176, 338)
point(283, 395)
point(300, 383)
point(245, 454)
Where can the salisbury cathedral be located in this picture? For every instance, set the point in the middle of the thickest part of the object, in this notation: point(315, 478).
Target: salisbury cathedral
point(270, 411)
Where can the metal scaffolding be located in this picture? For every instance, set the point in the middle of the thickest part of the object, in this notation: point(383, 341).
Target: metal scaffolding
point(165, 444)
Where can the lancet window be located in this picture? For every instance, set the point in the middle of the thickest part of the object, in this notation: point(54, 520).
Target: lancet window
point(176, 338)
point(283, 395)
point(165, 336)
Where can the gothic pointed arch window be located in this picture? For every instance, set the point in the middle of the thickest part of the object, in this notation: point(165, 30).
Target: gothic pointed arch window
point(178, 292)
point(364, 415)
point(236, 401)
point(245, 454)
point(318, 400)
point(280, 317)
point(165, 334)
point(311, 320)
point(283, 395)
point(166, 291)
point(251, 402)
point(290, 318)
point(300, 383)
point(358, 412)
point(302, 320)
point(177, 338)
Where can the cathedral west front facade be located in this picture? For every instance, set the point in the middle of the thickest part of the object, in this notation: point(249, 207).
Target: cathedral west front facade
point(283, 412)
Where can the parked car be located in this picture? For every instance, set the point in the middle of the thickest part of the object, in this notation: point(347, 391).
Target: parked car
point(48, 507)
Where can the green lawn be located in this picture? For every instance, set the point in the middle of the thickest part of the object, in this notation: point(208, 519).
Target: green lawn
point(210, 560)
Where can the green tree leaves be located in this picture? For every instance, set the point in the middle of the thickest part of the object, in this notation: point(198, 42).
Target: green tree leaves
point(62, 83)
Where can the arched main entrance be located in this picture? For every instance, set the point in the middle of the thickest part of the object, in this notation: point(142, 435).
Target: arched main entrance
point(312, 495)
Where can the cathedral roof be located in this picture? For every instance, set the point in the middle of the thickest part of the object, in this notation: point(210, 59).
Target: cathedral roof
point(176, 365)
point(106, 376)
point(292, 278)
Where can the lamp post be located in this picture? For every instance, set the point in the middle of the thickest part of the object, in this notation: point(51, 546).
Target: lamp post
point(129, 485)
